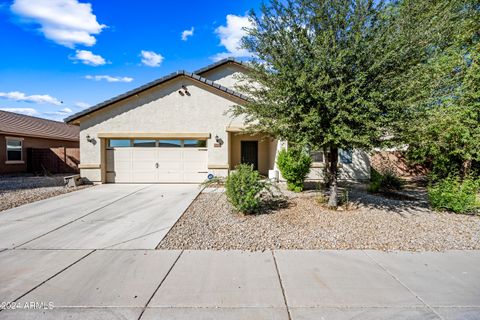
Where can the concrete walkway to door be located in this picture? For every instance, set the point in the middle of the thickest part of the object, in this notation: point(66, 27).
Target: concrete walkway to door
point(112, 216)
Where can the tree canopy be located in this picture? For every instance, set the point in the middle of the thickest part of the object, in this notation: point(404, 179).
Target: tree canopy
point(346, 73)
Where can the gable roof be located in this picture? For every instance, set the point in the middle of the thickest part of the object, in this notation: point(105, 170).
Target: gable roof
point(221, 63)
point(22, 125)
point(151, 85)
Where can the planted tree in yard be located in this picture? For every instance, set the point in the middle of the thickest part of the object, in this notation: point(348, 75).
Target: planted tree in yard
point(340, 74)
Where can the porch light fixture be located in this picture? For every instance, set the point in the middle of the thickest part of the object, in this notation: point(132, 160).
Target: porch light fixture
point(90, 139)
point(218, 139)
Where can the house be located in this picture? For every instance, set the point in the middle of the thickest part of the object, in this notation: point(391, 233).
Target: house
point(176, 129)
point(20, 133)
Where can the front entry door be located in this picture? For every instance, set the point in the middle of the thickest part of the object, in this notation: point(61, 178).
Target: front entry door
point(249, 153)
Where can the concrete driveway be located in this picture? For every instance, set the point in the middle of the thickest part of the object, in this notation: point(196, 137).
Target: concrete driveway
point(105, 216)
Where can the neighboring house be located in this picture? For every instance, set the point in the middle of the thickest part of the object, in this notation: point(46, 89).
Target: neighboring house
point(176, 129)
point(20, 133)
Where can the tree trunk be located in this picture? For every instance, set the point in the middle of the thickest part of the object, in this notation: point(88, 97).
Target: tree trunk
point(333, 170)
point(465, 171)
point(326, 170)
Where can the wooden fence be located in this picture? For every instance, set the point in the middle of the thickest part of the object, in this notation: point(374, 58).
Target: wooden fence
point(53, 160)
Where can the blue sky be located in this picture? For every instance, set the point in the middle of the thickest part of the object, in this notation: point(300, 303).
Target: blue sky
point(60, 56)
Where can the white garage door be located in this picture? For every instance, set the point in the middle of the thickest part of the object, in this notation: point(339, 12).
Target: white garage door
point(149, 161)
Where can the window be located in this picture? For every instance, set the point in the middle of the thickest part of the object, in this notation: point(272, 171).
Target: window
point(345, 156)
point(169, 143)
point(317, 156)
point(144, 143)
point(195, 143)
point(14, 150)
point(118, 143)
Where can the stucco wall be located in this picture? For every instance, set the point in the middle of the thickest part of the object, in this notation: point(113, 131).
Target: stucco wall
point(227, 75)
point(358, 170)
point(161, 110)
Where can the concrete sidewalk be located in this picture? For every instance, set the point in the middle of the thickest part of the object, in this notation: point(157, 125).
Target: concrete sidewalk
point(154, 284)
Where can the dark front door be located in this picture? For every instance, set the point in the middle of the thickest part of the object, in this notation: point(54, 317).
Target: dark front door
point(249, 153)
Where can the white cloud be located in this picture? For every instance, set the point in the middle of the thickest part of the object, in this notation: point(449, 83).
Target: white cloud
point(231, 36)
point(62, 112)
point(66, 22)
point(58, 115)
point(187, 33)
point(109, 78)
point(82, 105)
point(151, 59)
point(36, 98)
point(25, 111)
point(89, 58)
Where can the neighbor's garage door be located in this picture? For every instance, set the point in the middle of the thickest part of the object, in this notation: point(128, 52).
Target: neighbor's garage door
point(147, 161)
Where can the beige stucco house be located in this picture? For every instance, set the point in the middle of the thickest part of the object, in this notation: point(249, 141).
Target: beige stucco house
point(176, 129)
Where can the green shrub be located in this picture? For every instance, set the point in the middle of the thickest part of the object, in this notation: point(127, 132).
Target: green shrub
point(455, 195)
point(386, 180)
point(294, 166)
point(243, 188)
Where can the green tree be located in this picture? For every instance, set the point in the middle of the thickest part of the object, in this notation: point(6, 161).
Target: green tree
point(343, 74)
point(446, 132)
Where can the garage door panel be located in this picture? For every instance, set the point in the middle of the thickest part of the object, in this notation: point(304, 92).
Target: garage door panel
point(141, 154)
point(144, 177)
point(169, 155)
point(138, 164)
point(170, 166)
point(195, 154)
point(194, 166)
point(120, 177)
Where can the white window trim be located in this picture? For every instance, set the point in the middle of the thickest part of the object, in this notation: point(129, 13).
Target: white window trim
point(22, 161)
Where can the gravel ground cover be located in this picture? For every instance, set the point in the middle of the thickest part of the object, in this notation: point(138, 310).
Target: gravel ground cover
point(18, 190)
point(375, 222)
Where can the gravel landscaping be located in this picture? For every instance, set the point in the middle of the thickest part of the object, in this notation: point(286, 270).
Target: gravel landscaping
point(375, 222)
point(18, 190)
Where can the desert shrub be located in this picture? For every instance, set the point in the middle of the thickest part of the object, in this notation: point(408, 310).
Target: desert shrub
point(386, 180)
point(294, 165)
point(244, 187)
point(455, 195)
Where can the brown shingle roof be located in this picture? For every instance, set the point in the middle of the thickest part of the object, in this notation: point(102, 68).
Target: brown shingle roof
point(22, 125)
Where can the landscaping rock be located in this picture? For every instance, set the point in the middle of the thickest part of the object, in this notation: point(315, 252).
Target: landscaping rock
point(376, 223)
